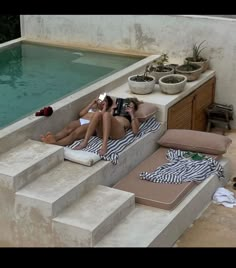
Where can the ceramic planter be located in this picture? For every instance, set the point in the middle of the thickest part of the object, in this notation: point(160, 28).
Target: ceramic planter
point(173, 83)
point(159, 74)
point(204, 64)
point(190, 74)
point(141, 87)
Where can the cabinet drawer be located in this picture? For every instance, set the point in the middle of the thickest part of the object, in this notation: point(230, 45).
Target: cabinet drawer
point(190, 112)
point(180, 115)
point(204, 96)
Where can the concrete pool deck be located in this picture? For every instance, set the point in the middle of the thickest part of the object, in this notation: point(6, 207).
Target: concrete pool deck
point(43, 201)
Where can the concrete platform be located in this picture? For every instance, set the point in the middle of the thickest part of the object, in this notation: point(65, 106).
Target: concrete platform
point(89, 219)
point(26, 162)
point(152, 227)
point(38, 203)
point(42, 197)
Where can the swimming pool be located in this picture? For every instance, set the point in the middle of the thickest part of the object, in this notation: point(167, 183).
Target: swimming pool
point(33, 76)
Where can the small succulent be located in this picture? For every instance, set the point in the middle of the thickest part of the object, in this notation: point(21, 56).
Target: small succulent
point(197, 49)
point(162, 60)
point(159, 64)
point(144, 77)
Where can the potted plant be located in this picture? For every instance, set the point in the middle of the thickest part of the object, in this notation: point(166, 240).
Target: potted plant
point(172, 83)
point(143, 83)
point(159, 69)
point(191, 70)
point(196, 58)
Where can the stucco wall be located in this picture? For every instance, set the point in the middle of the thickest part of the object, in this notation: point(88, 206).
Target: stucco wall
point(152, 34)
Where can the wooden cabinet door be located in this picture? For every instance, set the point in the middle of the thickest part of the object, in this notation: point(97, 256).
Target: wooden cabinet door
point(203, 97)
point(180, 114)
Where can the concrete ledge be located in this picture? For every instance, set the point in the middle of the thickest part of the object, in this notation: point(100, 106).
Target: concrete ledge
point(152, 227)
point(89, 219)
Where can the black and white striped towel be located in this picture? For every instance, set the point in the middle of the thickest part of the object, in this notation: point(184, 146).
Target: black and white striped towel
point(181, 169)
point(117, 146)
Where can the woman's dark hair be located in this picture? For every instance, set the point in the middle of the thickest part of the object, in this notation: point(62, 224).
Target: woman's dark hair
point(136, 102)
point(109, 101)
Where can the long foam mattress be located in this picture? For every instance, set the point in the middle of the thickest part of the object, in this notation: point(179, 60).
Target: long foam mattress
point(160, 195)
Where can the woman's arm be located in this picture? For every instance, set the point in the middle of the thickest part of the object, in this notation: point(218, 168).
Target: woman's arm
point(113, 107)
point(88, 107)
point(134, 121)
point(134, 125)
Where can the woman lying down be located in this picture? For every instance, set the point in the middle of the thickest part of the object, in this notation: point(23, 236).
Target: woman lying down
point(102, 118)
point(76, 129)
point(112, 124)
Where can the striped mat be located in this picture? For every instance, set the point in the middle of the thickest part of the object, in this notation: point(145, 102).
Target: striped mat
point(115, 147)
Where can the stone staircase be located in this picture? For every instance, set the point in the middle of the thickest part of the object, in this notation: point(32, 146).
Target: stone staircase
point(46, 201)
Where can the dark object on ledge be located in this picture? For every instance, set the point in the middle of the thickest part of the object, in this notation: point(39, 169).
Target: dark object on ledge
point(46, 111)
point(219, 113)
point(122, 105)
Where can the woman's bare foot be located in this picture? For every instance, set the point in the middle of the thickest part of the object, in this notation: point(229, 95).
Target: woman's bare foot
point(103, 150)
point(82, 145)
point(48, 134)
point(50, 139)
point(42, 137)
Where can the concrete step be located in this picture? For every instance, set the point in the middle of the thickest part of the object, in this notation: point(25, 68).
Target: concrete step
point(59, 187)
point(38, 202)
point(55, 190)
point(25, 162)
point(152, 227)
point(138, 229)
point(86, 221)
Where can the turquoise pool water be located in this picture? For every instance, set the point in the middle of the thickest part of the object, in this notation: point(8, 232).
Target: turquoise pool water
point(33, 76)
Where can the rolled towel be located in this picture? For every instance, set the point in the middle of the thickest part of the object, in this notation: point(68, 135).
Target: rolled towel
point(46, 111)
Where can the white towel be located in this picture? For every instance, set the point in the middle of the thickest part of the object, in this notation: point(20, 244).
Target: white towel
point(224, 197)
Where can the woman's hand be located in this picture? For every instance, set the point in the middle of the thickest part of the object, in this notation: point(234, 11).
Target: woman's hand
point(130, 109)
point(104, 106)
point(95, 101)
point(114, 106)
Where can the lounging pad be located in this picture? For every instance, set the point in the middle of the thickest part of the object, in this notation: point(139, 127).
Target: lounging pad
point(160, 195)
point(115, 147)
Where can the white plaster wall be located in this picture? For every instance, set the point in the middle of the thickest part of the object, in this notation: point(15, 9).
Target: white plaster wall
point(152, 34)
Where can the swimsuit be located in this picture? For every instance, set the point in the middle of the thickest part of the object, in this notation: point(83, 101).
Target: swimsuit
point(84, 121)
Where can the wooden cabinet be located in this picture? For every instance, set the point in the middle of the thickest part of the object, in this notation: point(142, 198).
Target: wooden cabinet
point(190, 112)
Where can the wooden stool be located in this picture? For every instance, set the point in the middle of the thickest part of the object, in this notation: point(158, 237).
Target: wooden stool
point(219, 114)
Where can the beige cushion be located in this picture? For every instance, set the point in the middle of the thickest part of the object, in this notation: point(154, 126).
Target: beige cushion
point(161, 195)
point(145, 111)
point(197, 141)
point(81, 157)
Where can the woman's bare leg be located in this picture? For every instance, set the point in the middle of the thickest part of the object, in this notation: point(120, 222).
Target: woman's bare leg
point(91, 129)
point(67, 130)
point(53, 139)
point(112, 128)
point(106, 129)
point(77, 134)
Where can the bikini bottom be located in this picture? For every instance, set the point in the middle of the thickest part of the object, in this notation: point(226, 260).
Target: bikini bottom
point(83, 121)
